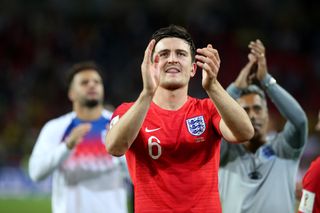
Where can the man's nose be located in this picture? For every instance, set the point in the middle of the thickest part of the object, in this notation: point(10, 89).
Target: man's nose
point(92, 84)
point(251, 114)
point(172, 58)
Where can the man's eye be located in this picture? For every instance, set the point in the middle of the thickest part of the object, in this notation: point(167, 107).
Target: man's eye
point(246, 109)
point(96, 81)
point(164, 54)
point(257, 108)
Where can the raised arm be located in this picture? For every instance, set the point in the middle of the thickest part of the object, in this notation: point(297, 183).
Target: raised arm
point(295, 130)
point(296, 127)
point(235, 124)
point(123, 131)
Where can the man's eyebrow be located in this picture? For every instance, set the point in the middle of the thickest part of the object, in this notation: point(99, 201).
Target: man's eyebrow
point(163, 50)
point(181, 50)
point(176, 50)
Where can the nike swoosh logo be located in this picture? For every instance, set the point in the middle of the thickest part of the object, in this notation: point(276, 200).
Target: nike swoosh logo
point(151, 130)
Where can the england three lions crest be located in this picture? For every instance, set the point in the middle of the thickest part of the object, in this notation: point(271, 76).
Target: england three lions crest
point(196, 126)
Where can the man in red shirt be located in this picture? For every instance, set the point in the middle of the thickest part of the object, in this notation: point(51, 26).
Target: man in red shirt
point(310, 200)
point(171, 140)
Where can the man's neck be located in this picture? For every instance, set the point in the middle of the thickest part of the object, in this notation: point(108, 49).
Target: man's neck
point(170, 99)
point(88, 114)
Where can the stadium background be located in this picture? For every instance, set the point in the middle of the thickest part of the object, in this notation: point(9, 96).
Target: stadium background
point(39, 40)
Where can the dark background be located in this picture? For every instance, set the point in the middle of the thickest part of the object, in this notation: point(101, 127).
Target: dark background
point(40, 40)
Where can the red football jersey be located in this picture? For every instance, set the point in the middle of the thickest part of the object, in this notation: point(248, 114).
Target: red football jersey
point(310, 201)
point(174, 160)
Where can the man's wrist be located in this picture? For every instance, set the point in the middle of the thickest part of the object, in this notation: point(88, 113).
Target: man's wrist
point(234, 91)
point(267, 81)
point(213, 87)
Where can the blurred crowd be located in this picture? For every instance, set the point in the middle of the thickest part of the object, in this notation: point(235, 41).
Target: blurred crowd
point(39, 40)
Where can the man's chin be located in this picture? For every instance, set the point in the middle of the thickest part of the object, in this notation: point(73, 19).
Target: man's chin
point(91, 103)
point(172, 85)
point(257, 135)
point(257, 128)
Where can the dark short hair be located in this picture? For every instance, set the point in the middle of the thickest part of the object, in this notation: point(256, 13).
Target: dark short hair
point(79, 67)
point(177, 32)
point(254, 89)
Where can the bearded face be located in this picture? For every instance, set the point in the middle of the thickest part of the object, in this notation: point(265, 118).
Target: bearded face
point(87, 89)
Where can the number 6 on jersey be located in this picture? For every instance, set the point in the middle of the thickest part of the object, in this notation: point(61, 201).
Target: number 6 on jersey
point(154, 147)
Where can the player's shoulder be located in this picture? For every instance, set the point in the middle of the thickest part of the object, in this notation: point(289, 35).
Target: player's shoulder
point(123, 107)
point(312, 175)
point(61, 120)
point(316, 164)
point(197, 102)
point(106, 114)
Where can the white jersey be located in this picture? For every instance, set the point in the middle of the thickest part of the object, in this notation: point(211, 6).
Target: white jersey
point(85, 179)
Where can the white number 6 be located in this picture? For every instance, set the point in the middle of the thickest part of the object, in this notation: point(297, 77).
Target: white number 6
point(154, 142)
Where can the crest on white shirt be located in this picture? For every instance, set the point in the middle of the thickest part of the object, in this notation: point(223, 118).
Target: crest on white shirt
point(307, 201)
point(196, 125)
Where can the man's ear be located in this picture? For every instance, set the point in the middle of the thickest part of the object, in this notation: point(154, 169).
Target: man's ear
point(71, 95)
point(194, 69)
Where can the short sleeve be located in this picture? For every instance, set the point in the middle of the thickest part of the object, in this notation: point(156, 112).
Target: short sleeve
point(311, 179)
point(121, 109)
point(214, 114)
point(310, 192)
point(216, 121)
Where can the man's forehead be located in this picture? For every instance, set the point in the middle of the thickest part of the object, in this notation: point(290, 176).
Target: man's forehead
point(170, 43)
point(250, 99)
point(86, 74)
